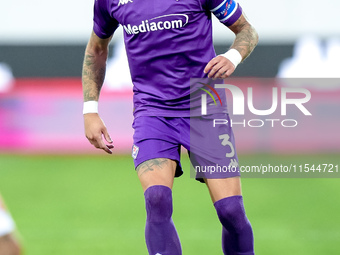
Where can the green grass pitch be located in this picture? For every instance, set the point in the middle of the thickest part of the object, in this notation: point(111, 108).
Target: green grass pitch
point(94, 205)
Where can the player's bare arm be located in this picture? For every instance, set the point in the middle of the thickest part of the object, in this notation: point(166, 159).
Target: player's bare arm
point(94, 67)
point(93, 75)
point(246, 36)
point(245, 41)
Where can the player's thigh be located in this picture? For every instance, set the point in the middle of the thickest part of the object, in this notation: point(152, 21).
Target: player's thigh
point(157, 171)
point(222, 188)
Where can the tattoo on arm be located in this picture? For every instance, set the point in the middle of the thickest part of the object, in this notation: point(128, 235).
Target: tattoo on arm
point(94, 67)
point(92, 77)
point(152, 165)
point(246, 37)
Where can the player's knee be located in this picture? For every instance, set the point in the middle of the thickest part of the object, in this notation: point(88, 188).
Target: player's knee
point(158, 202)
point(231, 213)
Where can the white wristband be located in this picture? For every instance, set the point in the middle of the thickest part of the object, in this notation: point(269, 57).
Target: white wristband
point(234, 56)
point(90, 107)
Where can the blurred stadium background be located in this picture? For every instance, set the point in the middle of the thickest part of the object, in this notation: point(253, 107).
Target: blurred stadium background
point(68, 198)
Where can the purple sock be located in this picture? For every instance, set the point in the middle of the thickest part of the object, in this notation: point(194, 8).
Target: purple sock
point(237, 233)
point(160, 233)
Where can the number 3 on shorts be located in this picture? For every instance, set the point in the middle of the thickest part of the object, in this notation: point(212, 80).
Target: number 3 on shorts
point(225, 142)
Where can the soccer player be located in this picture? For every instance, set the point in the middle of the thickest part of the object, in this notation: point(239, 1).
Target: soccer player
point(167, 43)
point(8, 243)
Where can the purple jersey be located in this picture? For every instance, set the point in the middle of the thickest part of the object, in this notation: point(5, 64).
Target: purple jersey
point(167, 43)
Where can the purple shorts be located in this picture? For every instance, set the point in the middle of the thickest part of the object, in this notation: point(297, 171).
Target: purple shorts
point(211, 148)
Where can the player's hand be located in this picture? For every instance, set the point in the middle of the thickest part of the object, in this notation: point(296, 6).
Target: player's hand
point(219, 68)
point(95, 129)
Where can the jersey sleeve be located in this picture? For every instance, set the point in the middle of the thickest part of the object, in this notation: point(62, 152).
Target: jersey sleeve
point(103, 24)
point(227, 11)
